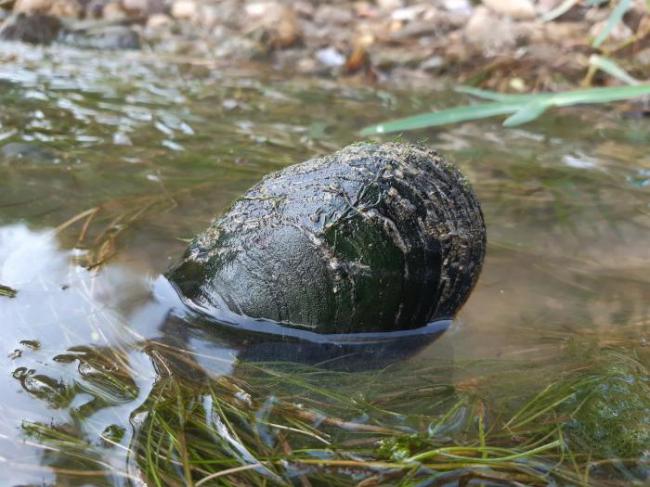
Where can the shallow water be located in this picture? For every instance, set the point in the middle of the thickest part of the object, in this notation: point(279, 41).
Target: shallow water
point(110, 162)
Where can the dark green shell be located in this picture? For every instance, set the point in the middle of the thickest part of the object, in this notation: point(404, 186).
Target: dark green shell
point(370, 238)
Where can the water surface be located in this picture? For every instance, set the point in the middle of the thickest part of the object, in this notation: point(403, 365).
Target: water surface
point(109, 163)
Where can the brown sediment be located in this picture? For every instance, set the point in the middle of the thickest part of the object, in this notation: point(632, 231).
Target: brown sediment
point(519, 46)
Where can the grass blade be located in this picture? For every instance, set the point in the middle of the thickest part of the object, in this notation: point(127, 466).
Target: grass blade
point(444, 117)
point(449, 452)
point(613, 69)
point(7, 292)
point(558, 11)
point(496, 96)
point(614, 18)
point(599, 95)
point(524, 107)
point(526, 114)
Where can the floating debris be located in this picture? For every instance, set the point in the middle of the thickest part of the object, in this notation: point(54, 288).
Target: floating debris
point(7, 292)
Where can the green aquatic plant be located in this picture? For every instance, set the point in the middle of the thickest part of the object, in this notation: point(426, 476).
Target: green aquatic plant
point(282, 424)
point(615, 17)
point(521, 108)
point(610, 67)
point(7, 291)
point(612, 418)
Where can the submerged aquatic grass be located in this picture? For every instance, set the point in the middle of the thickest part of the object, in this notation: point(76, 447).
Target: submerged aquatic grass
point(7, 292)
point(282, 424)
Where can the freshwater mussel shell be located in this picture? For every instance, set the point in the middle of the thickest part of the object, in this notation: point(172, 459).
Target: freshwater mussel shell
point(373, 238)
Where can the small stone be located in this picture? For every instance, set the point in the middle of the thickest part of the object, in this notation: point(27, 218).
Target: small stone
point(157, 21)
point(32, 6)
point(332, 15)
point(306, 65)
point(304, 8)
point(518, 84)
point(274, 24)
point(286, 32)
point(113, 11)
point(184, 9)
point(408, 14)
point(57, 8)
point(458, 6)
point(390, 4)
point(365, 10)
point(229, 104)
point(95, 9)
point(237, 47)
point(139, 6)
point(120, 138)
point(594, 15)
point(330, 57)
point(636, 14)
point(388, 58)
point(417, 28)
point(643, 57)
point(517, 9)
point(65, 8)
point(109, 37)
point(33, 29)
point(258, 9)
point(558, 32)
point(433, 63)
point(528, 32)
point(209, 16)
point(489, 32)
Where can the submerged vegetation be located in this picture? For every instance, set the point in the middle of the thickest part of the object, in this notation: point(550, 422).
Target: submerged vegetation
point(282, 424)
point(7, 292)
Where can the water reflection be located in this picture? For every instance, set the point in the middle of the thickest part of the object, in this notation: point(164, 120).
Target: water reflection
point(62, 336)
point(62, 304)
point(84, 351)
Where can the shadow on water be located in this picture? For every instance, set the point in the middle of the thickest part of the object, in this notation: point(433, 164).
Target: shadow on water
point(108, 164)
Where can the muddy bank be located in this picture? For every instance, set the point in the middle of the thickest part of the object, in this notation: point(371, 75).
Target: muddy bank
point(515, 45)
